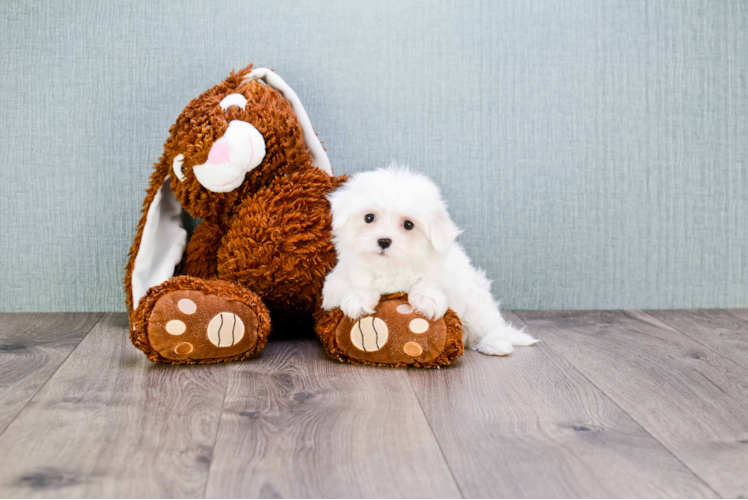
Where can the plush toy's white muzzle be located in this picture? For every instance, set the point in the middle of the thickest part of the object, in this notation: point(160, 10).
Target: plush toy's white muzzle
point(241, 149)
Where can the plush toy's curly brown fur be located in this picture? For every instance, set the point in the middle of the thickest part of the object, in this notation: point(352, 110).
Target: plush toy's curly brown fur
point(200, 258)
point(278, 242)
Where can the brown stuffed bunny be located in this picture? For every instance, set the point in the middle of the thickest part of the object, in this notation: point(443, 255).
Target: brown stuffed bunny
point(244, 158)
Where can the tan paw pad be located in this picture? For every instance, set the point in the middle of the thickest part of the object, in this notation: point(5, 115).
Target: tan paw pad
point(184, 348)
point(175, 327)
point(413, 349)
point(369, 334)
point(225, 329)
point(187, 306)
point(418, 325)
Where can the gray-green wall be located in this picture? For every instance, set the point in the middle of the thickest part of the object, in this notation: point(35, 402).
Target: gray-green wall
point(595, 152)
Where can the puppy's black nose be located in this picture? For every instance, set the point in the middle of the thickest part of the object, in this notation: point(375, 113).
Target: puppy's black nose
point(384, 242)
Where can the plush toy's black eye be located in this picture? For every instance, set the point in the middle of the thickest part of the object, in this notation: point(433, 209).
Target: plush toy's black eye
point(369, 218)
point(230, 100)
point(408, 225)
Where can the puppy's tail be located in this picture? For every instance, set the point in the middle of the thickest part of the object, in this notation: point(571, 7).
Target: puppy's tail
point(521, 338)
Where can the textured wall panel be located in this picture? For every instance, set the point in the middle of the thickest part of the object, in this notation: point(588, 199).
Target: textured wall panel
point(594, 152)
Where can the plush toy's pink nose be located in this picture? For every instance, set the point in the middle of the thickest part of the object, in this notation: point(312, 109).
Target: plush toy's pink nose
point(220, 152)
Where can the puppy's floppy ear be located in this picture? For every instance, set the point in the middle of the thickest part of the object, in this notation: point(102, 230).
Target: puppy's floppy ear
point(441, 230)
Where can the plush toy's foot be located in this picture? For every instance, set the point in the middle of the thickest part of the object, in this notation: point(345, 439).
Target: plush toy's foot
point(188, 320)
point(393, 336)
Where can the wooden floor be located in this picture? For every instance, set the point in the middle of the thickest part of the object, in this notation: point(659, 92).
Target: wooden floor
point(610, 404)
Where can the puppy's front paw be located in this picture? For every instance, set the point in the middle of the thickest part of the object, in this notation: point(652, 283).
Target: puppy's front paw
point(494, 345)
point(359, 304)
point(430, 302)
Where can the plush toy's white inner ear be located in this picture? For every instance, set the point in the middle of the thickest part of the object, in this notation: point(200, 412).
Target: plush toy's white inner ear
point(319, 156)
point(161, 245)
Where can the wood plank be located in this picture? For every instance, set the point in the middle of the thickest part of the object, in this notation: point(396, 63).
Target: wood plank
point(530, 425)
point(32, 347)
point(111, 424)
point(692, 399)
point(298, 424)
point(725, 331)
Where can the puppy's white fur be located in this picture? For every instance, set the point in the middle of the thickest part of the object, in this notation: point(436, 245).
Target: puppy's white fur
point(425, 262)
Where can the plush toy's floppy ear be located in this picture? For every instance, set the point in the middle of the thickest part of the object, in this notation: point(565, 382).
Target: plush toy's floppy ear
point(162, 241)
point(319, 156)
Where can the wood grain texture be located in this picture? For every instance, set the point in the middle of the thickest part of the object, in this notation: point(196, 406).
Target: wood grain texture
point(725, 331)
point(32, 347)
point(111, 424)
point(298, 424)
point(530, 425)
point(610, 404)
point(690, 398)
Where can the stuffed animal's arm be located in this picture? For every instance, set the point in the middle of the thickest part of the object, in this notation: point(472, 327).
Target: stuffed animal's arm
point(200, 259)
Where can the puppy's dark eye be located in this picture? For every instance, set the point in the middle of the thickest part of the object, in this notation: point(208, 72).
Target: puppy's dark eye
point(408, 225)
point(369, 218)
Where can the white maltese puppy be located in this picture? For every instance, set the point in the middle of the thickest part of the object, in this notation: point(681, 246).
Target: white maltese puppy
point(392, 233)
